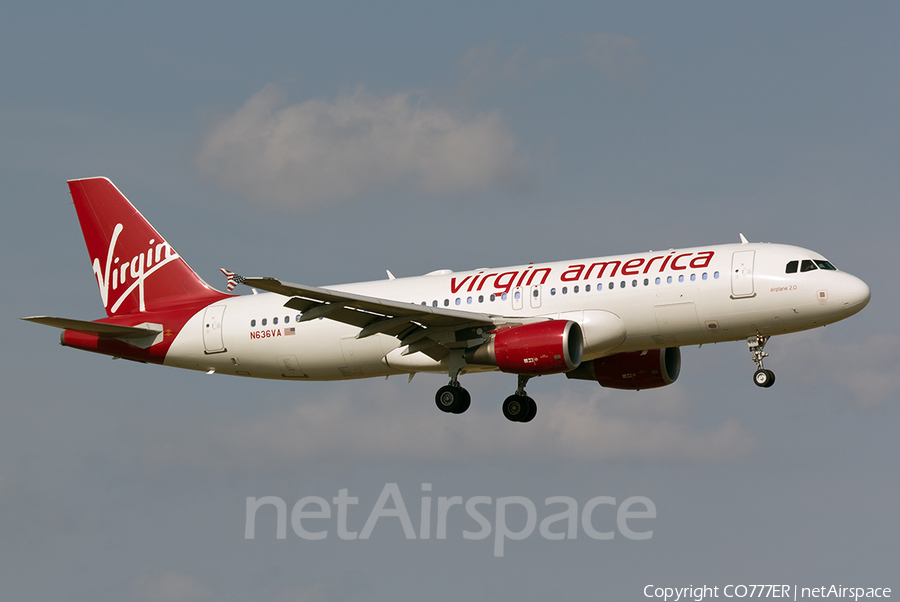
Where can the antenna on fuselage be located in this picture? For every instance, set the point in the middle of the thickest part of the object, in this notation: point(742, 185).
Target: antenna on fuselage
point(744, 241)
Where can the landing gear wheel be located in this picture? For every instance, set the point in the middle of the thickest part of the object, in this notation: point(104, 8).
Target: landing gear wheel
point(519, 408)
point(467, 401)
point(454, 400)
point(764, 378)
point(532, 410)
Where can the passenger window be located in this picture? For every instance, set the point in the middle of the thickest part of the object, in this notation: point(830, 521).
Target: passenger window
point(287, 319)
point(574, 289)
point(263, 321)
point(565, 290)
point(634, 283)
point(807, 265)
point(587, 288)
point(481, 298)
point(668, 280)
point(552, 291)
point(693, 277)
point(252, 323)
point(791, 267)
point(274, 320)
point(298, 315)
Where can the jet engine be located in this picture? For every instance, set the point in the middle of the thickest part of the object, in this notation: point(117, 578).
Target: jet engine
point(633, 369)
point(547, 347)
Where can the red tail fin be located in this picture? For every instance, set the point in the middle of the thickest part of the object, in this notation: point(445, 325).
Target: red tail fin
point(136, 269)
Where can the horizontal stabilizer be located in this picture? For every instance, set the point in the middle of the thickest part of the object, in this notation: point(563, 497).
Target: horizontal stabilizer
point(99, 328)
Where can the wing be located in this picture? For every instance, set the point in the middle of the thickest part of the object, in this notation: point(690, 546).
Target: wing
point(431, 330)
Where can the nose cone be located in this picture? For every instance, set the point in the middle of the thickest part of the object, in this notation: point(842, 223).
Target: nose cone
point(855, 293)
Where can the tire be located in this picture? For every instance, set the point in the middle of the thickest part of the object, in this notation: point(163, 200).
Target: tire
point(515, 408)
point(532, 410)
point(764, 378)
point(447, 398)
point(465, 403)
point(454, 400)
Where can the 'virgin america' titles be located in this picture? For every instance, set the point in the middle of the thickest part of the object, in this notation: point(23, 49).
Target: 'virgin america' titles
point(137, 269)
point(503, 282)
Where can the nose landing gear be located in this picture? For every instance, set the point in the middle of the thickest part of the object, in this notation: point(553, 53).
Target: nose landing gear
point(762, 377)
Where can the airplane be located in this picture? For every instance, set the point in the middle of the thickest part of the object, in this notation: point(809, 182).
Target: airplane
point(618, 320)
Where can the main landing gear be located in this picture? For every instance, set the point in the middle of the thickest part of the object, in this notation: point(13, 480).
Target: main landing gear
point(453, 399)
point(518, 407)
point(762, 377)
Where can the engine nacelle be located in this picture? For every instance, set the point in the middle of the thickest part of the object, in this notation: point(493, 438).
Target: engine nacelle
point(633, 369)
point(547, 347)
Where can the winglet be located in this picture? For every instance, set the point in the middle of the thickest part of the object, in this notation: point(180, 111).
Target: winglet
point(233, 279)
point(743, 242)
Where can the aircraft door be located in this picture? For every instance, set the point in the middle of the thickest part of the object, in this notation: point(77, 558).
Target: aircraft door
point(212, 329)
point(742, 274)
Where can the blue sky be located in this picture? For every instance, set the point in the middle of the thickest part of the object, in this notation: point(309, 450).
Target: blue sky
point(327, 142)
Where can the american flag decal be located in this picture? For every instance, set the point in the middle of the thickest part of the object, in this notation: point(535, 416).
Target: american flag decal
point(289, 331)
point(233, 279)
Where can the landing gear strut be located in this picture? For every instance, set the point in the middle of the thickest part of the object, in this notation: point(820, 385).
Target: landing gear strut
point(762, 377)
point(518, 407)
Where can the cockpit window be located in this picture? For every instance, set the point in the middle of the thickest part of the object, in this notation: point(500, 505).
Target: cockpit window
point(791, 267)
point(824, 265)
point(807, 265)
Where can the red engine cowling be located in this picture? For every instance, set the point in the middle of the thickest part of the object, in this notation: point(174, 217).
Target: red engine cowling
point(633, 369)
point(547, 347)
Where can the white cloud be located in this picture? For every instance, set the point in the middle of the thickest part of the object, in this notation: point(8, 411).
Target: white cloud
point(384, 425)
point(320, 150)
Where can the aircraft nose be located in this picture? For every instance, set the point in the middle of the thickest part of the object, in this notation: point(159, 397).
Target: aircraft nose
point(855, 294)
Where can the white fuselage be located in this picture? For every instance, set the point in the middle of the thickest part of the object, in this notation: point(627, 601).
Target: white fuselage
point(623, 303)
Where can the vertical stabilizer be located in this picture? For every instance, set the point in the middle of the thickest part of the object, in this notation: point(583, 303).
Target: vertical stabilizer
point(135, 268)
